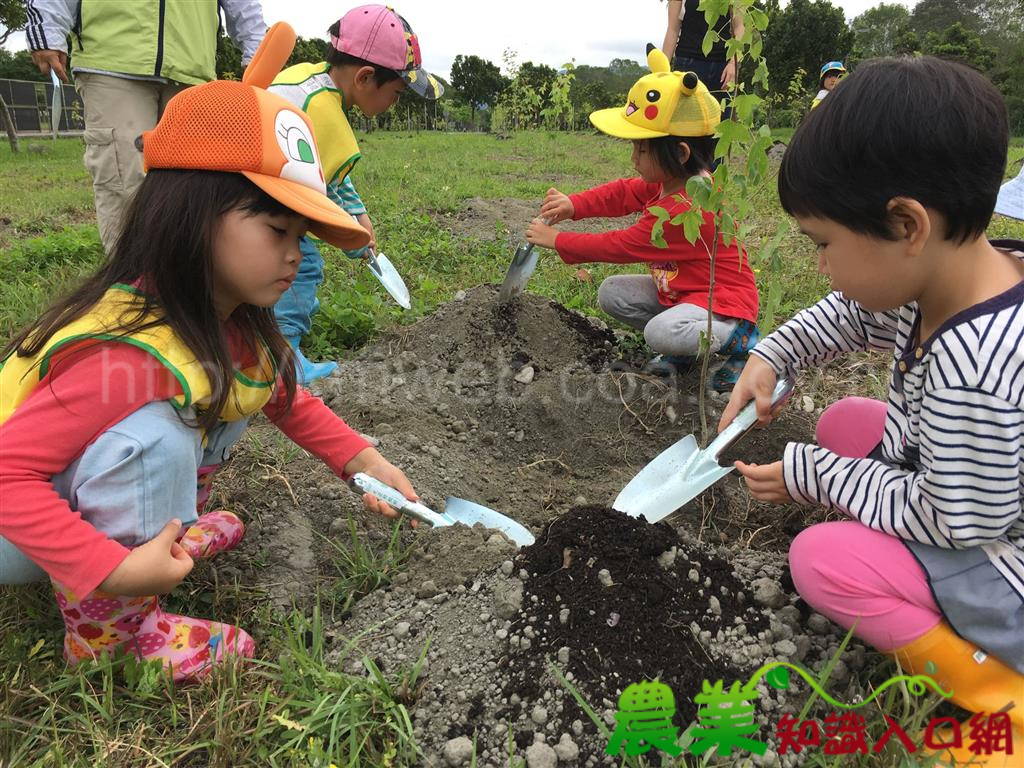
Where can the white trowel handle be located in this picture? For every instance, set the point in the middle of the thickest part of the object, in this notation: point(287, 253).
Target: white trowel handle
point(365, 484)
point(747, 418)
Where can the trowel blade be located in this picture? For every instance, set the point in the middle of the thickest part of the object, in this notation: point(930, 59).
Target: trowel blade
point(674, 477)
point(519, 271)
point(469, 513)
point(382, 268)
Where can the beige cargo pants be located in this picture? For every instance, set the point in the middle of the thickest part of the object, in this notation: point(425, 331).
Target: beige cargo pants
point(117, 110)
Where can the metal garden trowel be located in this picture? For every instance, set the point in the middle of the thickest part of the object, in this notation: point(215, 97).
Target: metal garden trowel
point(682, 471)
point(524, 262)
point(455, 510)
point(382, 268)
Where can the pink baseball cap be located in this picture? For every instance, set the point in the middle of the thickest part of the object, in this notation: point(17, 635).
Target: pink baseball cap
point(375, 33)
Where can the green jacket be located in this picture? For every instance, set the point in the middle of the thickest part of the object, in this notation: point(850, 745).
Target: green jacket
point(172, 39)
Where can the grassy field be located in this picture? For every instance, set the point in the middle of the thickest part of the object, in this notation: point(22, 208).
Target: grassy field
point(412, 184)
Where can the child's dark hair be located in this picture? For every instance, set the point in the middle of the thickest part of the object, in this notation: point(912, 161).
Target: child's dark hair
point(666, 153)
point(167, 241)
point(922, 128)
point(381, 75)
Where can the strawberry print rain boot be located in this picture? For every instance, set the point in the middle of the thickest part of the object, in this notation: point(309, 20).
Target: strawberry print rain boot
point(213, 532)
point(104, 622)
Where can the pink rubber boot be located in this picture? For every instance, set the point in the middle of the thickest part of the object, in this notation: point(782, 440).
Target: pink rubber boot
point(104, 622)
point(213, 532)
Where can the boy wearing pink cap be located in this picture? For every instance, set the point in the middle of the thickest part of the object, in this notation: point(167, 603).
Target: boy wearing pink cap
point(373, 56)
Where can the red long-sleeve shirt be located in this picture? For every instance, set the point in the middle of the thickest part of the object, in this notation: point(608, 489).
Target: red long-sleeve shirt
point(682, 272)
point(65, 414)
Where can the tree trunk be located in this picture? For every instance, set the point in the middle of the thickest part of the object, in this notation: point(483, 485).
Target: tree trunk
point(5, 115)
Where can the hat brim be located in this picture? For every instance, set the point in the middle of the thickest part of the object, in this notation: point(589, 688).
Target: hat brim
point(612, 122)
point(327, 221)
point(422, 83)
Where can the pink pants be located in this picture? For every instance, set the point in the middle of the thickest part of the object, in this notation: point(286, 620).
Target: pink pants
point(851, 573)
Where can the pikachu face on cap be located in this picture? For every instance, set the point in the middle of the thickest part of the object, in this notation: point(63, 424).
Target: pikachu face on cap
point(663, 103)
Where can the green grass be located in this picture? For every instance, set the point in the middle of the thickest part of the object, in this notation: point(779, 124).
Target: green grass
point(292, 708)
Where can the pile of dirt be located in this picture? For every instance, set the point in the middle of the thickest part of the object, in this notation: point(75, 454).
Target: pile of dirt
point(620, 601)
point(604, 599)
point(525, 408)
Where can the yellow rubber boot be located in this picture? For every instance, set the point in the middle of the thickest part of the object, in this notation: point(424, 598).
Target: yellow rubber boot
point(979, 682)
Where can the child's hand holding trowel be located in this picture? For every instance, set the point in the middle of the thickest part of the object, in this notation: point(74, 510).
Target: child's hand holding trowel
point(757, 382)
point(555, 208)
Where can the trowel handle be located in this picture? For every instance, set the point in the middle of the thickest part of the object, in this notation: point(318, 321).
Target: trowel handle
point(747, 418)
point(363, 483)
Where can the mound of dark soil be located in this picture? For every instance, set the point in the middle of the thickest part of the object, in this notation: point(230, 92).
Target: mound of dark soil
point(618, 600)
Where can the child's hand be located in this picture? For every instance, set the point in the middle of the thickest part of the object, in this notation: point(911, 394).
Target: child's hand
point(766, 482)
point(541, 234)
point(757, 382)
point(556, 207)
point(154, 568)
point(363, 220)
point(370, 462)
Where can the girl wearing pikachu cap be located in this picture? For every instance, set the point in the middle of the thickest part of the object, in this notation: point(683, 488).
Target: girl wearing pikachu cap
point(121, 400)
point(670, 118)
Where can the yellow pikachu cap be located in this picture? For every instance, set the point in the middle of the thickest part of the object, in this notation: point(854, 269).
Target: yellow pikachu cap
point(663, 103)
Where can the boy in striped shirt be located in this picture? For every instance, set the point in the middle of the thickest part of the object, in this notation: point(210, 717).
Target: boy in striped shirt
point(894, 178)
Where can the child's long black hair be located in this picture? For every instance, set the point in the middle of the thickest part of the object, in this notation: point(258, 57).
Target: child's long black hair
point(167, 241)
point(666, 154)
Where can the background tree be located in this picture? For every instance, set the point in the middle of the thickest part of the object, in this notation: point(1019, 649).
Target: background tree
point(307, 49)
point(12, 19)
point(938, 15)
point(961, 44)
point(805, 35)
point(1008, 75)
point(19, 66)
point(229, 58)
point(907, 43)
point(539, 77)
point(478, 81)
point(875, 31)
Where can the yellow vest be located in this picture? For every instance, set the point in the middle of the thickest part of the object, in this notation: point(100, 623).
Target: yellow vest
point(310, 88)
point(251, 388)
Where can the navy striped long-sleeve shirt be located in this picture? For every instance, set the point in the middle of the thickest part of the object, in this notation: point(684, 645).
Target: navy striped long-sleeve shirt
point(952, 473)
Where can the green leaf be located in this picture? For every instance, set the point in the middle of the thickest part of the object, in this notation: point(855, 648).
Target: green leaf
point(930, 668)
point(713, 10)
point(691, 226)
point(756, 46)
point(759, 19)
point(709, 40)
point(744, 106)
point(658, 230)
point(729, 131)
point(761, 74)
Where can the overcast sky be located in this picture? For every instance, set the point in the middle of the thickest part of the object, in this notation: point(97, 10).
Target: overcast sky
point(542, 31)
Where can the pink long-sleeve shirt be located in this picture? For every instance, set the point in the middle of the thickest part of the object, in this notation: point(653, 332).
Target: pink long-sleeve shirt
point(65, 414)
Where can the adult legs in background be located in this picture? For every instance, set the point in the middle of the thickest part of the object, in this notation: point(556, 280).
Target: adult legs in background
point(117, 111)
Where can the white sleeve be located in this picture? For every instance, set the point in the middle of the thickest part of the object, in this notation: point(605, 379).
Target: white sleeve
point(49, 23)
point(245, 25)
point(833, 326)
